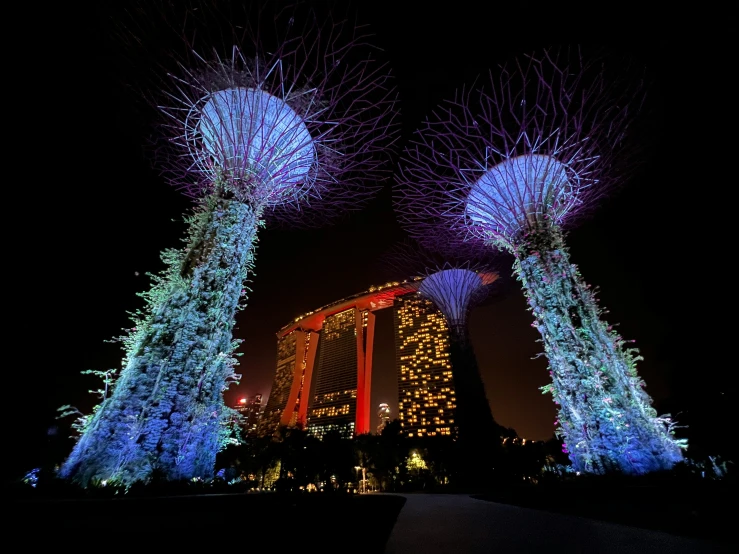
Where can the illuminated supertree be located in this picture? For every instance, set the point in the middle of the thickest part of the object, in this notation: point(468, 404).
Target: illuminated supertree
point(273, 126)
point(456, 280)
point(509, 166)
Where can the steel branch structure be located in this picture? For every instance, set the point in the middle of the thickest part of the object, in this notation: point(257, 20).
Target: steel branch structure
point(509, 166)
point(296, 124)
point(271, 127)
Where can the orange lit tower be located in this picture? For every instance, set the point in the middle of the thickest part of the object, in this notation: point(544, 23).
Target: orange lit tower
point(344, 371)
point(296, 352)
point(343, 374)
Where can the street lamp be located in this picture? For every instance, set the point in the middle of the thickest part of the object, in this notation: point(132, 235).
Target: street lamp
point(357, 468)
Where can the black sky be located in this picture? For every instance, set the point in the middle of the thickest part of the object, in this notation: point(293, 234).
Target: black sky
point(88, 218)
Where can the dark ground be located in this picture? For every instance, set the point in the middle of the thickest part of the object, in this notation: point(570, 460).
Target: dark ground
point(219, 522)
point(339, 522)
point(699, 509)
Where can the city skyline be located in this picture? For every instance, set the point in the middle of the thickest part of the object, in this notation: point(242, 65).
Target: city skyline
point(640, 247)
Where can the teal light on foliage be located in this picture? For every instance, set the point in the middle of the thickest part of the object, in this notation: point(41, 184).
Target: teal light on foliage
point(276, 133)
point(508, 166)
point(604, 414)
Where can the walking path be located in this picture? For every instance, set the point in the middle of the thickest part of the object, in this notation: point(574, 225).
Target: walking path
point(459, 524)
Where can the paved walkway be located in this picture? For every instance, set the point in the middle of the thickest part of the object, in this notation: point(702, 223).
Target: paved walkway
point(458, 524)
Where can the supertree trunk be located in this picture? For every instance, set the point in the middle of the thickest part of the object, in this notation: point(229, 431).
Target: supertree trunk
point(604, 414)
point(507, 167)
point(474, 416)
point(168, 400)
point(455, 281)
point(273, 125)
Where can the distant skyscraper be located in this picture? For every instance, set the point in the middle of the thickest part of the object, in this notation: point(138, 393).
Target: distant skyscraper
point(383, 412)
point(426, 396)
point(250, 409)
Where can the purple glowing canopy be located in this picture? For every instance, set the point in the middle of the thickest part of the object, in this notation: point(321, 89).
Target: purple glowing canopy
point(251, 135)
point(505, 167)
point(517, 193)
point(454, 279)
point(535, 146)
point(292, 110)
point(452, 291)
point(246, 134)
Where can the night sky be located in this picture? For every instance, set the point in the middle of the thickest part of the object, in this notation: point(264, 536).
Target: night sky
point(88, 218)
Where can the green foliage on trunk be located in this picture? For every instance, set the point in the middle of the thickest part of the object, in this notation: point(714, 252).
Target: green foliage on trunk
point(166, 412)
point(605, 415)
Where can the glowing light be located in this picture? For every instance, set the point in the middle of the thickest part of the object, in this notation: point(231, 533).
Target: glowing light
point(253, 134)
point(519, 190)
point(452, 290)
point(504, 170)
point(238, 150)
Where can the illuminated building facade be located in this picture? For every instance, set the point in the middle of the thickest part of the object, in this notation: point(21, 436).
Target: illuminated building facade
point(426, 395)
point(250, 408)
point(334, 404)
point(383, 412)
point(340, 390)
point(287, 405)
point(347, 327)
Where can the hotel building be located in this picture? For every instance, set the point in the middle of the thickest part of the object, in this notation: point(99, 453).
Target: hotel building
point(340, 336)
point(426, 397)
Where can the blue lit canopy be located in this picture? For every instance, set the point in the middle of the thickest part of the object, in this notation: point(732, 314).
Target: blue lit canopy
point(452, 290)
point(252, 136)
point(520, 193)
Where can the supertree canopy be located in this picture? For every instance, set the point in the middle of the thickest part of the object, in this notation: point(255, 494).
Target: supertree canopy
point(455, 281)
point(510, 166)
point(272, 127)
point(453, 290)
